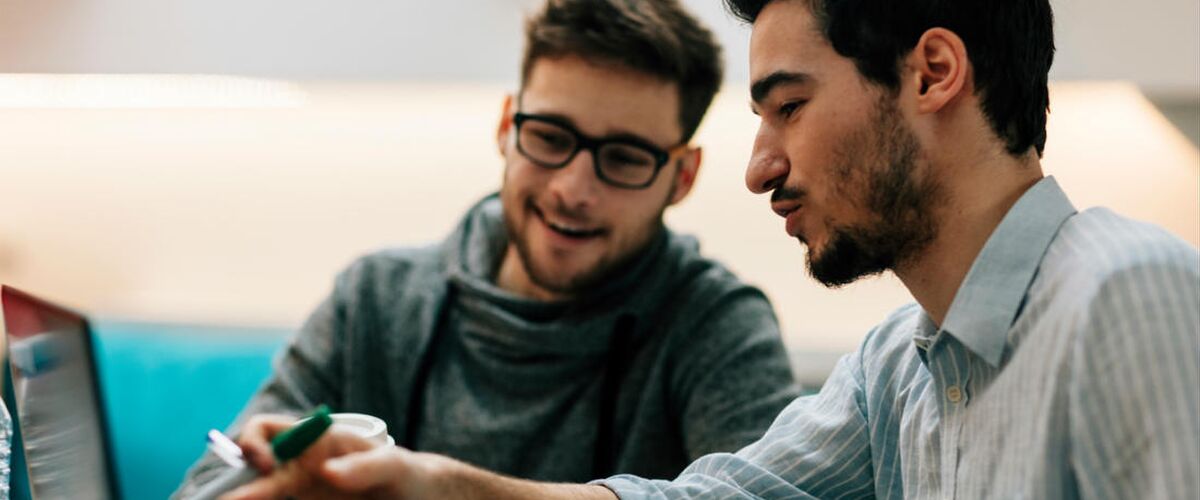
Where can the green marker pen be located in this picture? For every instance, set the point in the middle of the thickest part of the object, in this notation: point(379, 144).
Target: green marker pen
point(285, 446)
point(291, 443)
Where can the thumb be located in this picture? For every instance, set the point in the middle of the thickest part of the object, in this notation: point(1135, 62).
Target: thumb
point(373, 469)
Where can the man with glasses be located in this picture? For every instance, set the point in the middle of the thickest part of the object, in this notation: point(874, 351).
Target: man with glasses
point(561, 332)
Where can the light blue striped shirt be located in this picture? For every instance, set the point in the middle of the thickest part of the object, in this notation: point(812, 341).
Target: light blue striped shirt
point(1067, 367)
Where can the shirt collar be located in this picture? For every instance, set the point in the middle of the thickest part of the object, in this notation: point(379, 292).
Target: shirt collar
point(990, 297)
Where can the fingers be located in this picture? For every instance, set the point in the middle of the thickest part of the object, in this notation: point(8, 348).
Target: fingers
point(300, 475)
point(375, 469)
point(372, 466)
point(287, 483)
point(334, 443)
point(255, 439)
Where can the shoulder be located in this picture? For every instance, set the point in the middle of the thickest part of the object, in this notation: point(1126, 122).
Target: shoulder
point(383, 276)
point(1106, 277)
point(696, 278)
point(706, 312)
point(705, 305)
point(1098, 244)
point(1129, 304)
point(1098, 256)
point(385, 265)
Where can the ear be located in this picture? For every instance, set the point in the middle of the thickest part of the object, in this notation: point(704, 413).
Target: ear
point(689, 167)
point(505, 125)
point(941, 70)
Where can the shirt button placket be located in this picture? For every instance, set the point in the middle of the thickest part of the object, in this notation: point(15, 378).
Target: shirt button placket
point(955, 399)
point(954, 394)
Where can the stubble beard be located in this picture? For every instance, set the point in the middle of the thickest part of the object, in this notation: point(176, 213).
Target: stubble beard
point(605, 269)
point(879, 173)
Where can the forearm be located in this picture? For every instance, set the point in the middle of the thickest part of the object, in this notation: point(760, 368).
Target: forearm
point(465, 482)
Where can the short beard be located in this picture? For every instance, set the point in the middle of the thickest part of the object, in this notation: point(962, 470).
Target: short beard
point(604, 270)
point(571, 285)
point(900, 203)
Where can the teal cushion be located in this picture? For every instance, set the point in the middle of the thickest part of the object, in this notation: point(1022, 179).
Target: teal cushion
point(165, 386)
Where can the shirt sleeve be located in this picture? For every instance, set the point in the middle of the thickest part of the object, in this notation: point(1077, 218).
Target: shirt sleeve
point(305, 375)
point(1134, 404)
point(818, 447)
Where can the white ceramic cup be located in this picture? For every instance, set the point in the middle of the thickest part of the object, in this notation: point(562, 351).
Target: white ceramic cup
point(372, 429)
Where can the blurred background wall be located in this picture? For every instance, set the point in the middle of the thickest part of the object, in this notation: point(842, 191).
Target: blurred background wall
point(1155, 43)
point(219, 161)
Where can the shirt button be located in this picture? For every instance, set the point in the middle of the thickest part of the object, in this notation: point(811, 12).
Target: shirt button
point(954, 394)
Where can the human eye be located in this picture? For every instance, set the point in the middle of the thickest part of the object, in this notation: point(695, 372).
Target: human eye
point(551, 139)
point(627, 165)
point(789, 108)
point(626, 157)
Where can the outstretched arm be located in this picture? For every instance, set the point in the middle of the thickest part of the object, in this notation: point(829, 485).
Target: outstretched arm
point(341, 465)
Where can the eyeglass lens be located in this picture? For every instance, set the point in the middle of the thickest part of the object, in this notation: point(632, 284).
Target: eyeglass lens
point(554, 146)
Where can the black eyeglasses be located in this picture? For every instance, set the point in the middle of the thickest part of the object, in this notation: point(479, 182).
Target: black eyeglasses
point(622, 162)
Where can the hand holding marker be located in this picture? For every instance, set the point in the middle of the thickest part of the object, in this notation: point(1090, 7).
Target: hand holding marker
point(287, 445)
point(291, 443)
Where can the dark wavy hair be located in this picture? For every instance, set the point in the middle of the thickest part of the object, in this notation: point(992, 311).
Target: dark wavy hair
point(657, 37)
point(1010, 44)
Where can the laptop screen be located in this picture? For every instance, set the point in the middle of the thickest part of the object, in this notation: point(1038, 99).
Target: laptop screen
point(57, 400)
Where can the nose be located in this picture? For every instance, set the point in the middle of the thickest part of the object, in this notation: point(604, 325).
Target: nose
point(576, 185)
point(768, 167)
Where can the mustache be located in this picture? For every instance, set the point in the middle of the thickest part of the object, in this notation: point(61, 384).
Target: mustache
point(784, 193)
point(557, 208)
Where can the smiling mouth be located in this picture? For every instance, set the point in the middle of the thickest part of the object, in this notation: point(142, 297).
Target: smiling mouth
point(566, 228)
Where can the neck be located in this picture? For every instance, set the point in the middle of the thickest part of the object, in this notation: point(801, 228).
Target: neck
point(513, 277)
point(979, 194)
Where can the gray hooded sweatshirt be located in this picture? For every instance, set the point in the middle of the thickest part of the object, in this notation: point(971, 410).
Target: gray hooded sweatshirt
point(672, 359)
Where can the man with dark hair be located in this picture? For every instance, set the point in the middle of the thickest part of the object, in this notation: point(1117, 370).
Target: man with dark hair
point(1050, 353)
point(562, 332)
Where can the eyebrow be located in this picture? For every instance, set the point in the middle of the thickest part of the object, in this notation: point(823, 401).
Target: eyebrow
point(617, 135)
point(763, 86)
